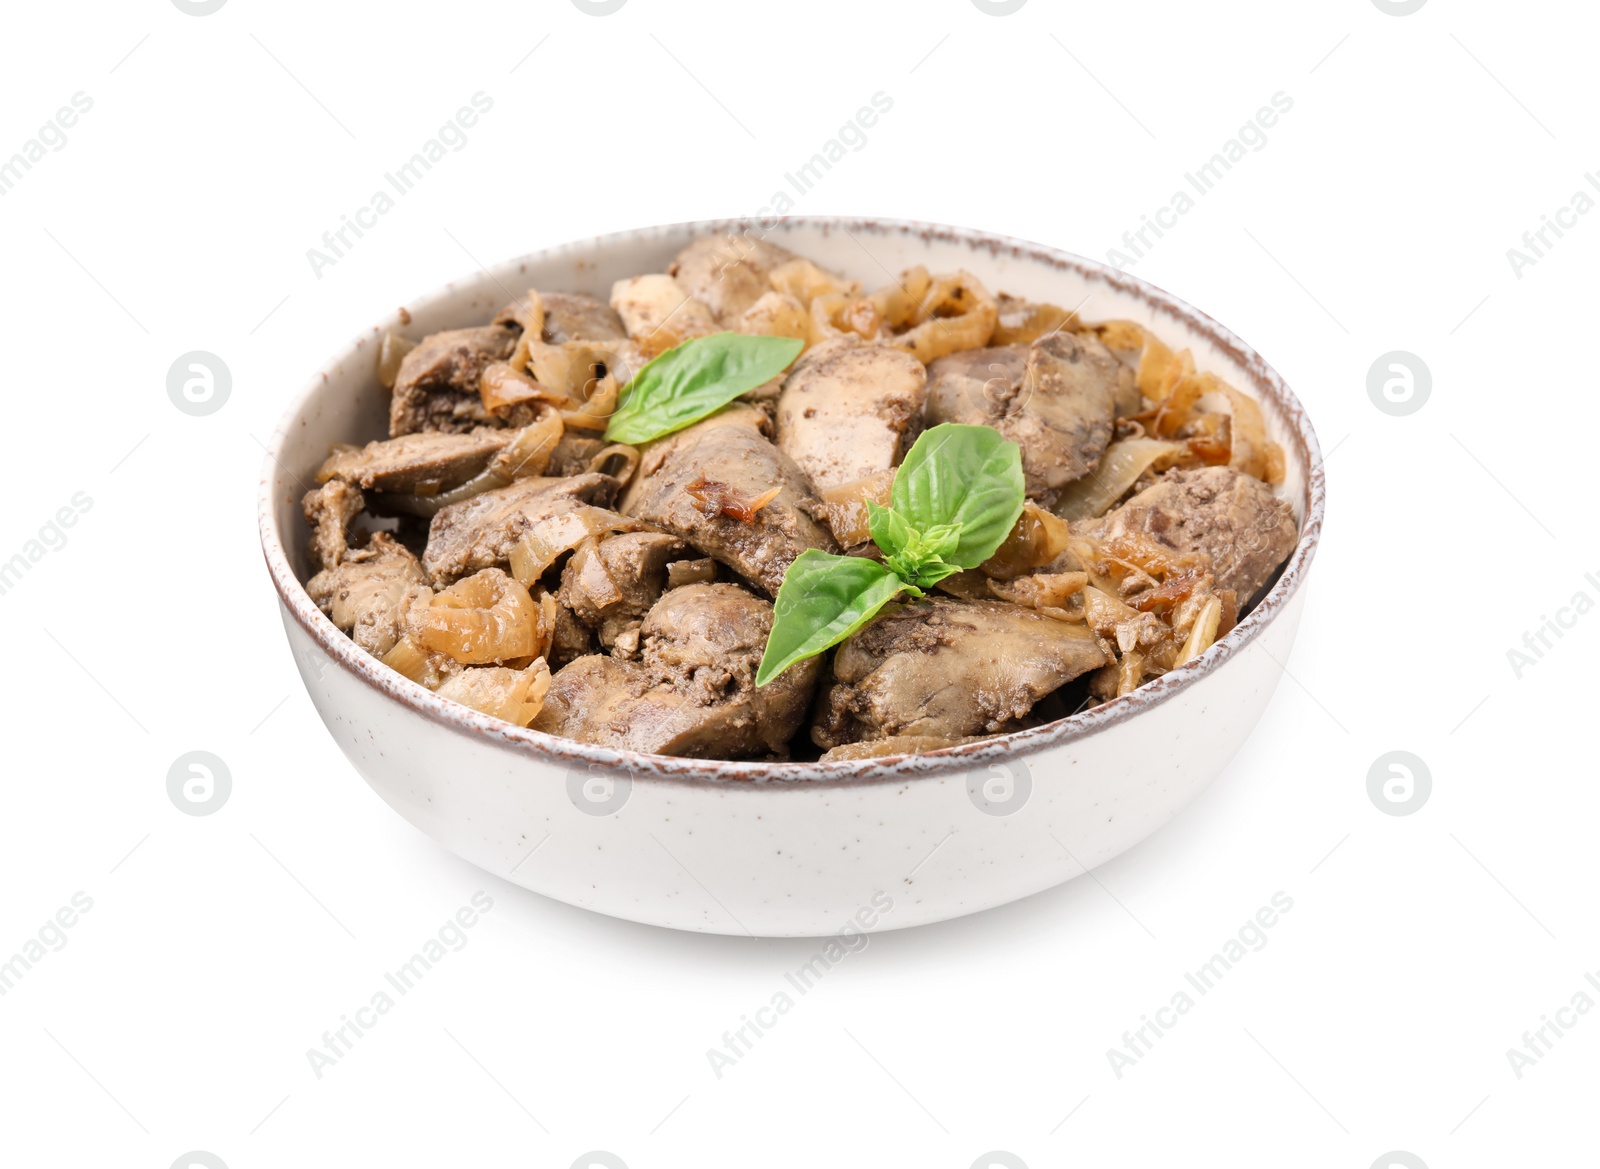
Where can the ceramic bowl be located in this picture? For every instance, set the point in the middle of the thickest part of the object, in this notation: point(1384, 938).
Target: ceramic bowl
point(784, 849)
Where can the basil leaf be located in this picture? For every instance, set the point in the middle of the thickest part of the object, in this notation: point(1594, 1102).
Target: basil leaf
point(889, 530)
point(966, 476)
point(823, 600)
point(917, 557)
point(956, 496)
point(928, 573)
point(694, 379)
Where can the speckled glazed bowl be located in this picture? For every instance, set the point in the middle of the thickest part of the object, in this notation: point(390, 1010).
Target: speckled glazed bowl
point(788, 848)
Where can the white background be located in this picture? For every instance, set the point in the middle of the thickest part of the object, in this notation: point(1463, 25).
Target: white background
point(1377, 217)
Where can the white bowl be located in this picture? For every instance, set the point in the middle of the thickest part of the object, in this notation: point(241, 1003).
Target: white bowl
point(785, 849)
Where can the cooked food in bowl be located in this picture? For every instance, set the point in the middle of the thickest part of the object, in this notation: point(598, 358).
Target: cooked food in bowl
point(750, 510)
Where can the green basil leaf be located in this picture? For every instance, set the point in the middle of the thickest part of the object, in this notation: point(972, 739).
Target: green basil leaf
point(911, 555)
point(889, 530)
point(823, 600)
point(965, 476)
point(694, 379)
point(941, 540)
point(929, 572)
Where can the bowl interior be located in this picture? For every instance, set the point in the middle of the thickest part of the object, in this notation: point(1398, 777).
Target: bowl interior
point(346, 403)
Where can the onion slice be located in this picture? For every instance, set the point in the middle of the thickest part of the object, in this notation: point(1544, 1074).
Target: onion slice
point(392, 351)
point(486, 617)
point(630, 461)
point(549, 538)
point(514, 695)
point(1253, 452)
point(957, 312)
point(844, 507)
point(1156, 366)
point(1120, 467)
point(1037, 538)
point(1204, 631)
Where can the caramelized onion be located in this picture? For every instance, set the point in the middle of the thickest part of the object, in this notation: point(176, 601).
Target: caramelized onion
point(423, 666)
point(1170, 595)
point(630, 461)
point(844, 508)
point(514, 695)
point(596, 412)
point(722, 499)
point(576, 368)
point(526, 312)
point(834, 314)
point(549, 538)
point(1156, 367)
point(392, 351)
point(1133, 561)
point(956, 313)
point(1253, 452)
point(583, 378)
point(804, 281)
point(970, 585)
point(594, 580)
point(1186, 410)
point(775, 314)
point(528, 452)
point(1123, 624)
point(1130, 672)
point(899, 303)
point(1045, 590)
point(503, 386)
point(549, 611)
point(1035, 540)
point(1204, 631)
point(486, 617)
point(1022, 322)
point(1120, 467)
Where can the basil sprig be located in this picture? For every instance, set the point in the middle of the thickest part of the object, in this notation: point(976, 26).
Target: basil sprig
point(694, 379)
point(955, 498)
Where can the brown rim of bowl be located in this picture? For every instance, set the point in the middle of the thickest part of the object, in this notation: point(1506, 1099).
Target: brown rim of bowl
point(553, 749)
